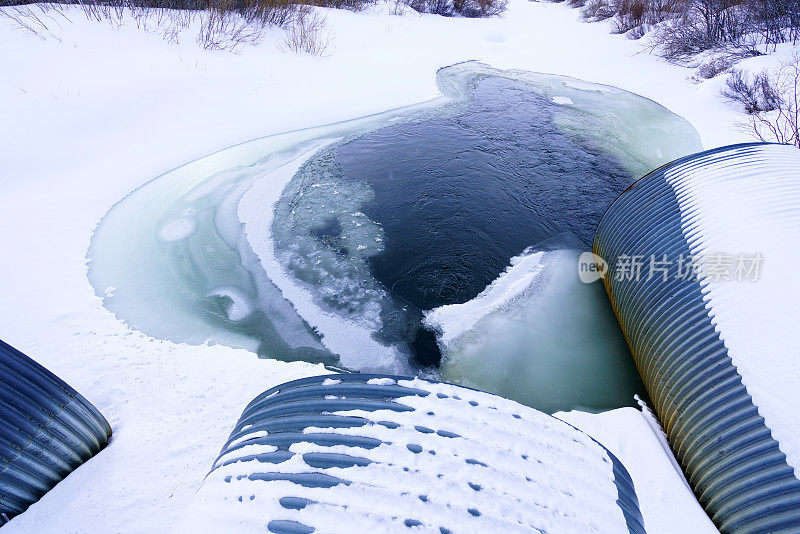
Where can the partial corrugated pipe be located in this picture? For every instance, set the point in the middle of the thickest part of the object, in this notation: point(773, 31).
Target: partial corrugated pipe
point(331, 435)
point(47, 429)
point(726, 449)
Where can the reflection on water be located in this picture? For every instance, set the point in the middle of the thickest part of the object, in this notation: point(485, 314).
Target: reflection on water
point(446, 230)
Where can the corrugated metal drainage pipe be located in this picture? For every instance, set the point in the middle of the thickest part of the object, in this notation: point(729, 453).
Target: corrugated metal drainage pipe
point(703, 257)
point(370, 453)
point(47, 429)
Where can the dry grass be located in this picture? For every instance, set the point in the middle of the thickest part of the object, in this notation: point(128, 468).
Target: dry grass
point(223, 24)
point(306, 34)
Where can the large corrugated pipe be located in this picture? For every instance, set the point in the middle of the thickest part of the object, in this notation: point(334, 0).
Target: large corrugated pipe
point(47, 429)
point(376, 453)
point(718, 357)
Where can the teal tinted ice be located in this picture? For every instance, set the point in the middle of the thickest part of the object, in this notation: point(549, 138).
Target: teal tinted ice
point(274, 245)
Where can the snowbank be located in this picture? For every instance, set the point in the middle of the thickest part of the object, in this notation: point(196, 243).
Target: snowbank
point(540, 336)
point(665, 499)
point(455, 319)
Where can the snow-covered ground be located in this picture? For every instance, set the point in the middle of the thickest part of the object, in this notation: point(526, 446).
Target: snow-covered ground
point(94, 113)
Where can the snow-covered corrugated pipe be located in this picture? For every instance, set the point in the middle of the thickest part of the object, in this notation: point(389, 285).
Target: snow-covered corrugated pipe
point(376, 453)
point(47, 429)
point(701, 260)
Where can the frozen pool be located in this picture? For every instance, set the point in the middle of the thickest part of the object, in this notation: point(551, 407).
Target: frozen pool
point(439, 239)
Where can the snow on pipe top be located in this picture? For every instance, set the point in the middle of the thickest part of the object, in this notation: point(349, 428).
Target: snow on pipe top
point(713, 329)
point(381, 453)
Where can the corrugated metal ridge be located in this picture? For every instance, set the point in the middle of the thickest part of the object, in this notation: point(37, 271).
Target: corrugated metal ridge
point(286, 411)
point(728, 453)
point(47, 429)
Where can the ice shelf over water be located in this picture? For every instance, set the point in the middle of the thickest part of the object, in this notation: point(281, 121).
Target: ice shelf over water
point(540, 336)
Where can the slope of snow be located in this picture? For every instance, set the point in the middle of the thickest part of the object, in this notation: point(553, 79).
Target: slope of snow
point(92, 115)
point(635, 437)
point(540, 336)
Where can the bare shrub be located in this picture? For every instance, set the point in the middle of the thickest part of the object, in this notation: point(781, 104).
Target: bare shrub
point(778, 20)
point(634, 17)
point(680, 39)
point(226, 30)
point(464, 8)
point(726, 24)
point(490, 8)
point(41, 20)
point(756, 93)
point(112, 12)
point(714, 67)
point(596, 10)
point(270, 12)
point(437, 7)
point(478, 8)
point(694, 26)
point(229, 24)
point(306, 34)
point(352, 5)
point(720, 20)
point(399, 7)
point(630, 14)
point(641, 15)
point(772, 102)
point(635, 33)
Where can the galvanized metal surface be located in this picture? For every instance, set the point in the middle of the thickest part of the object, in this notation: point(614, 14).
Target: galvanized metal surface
point(373, 419)
point(47, 430)
point(727, 451)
